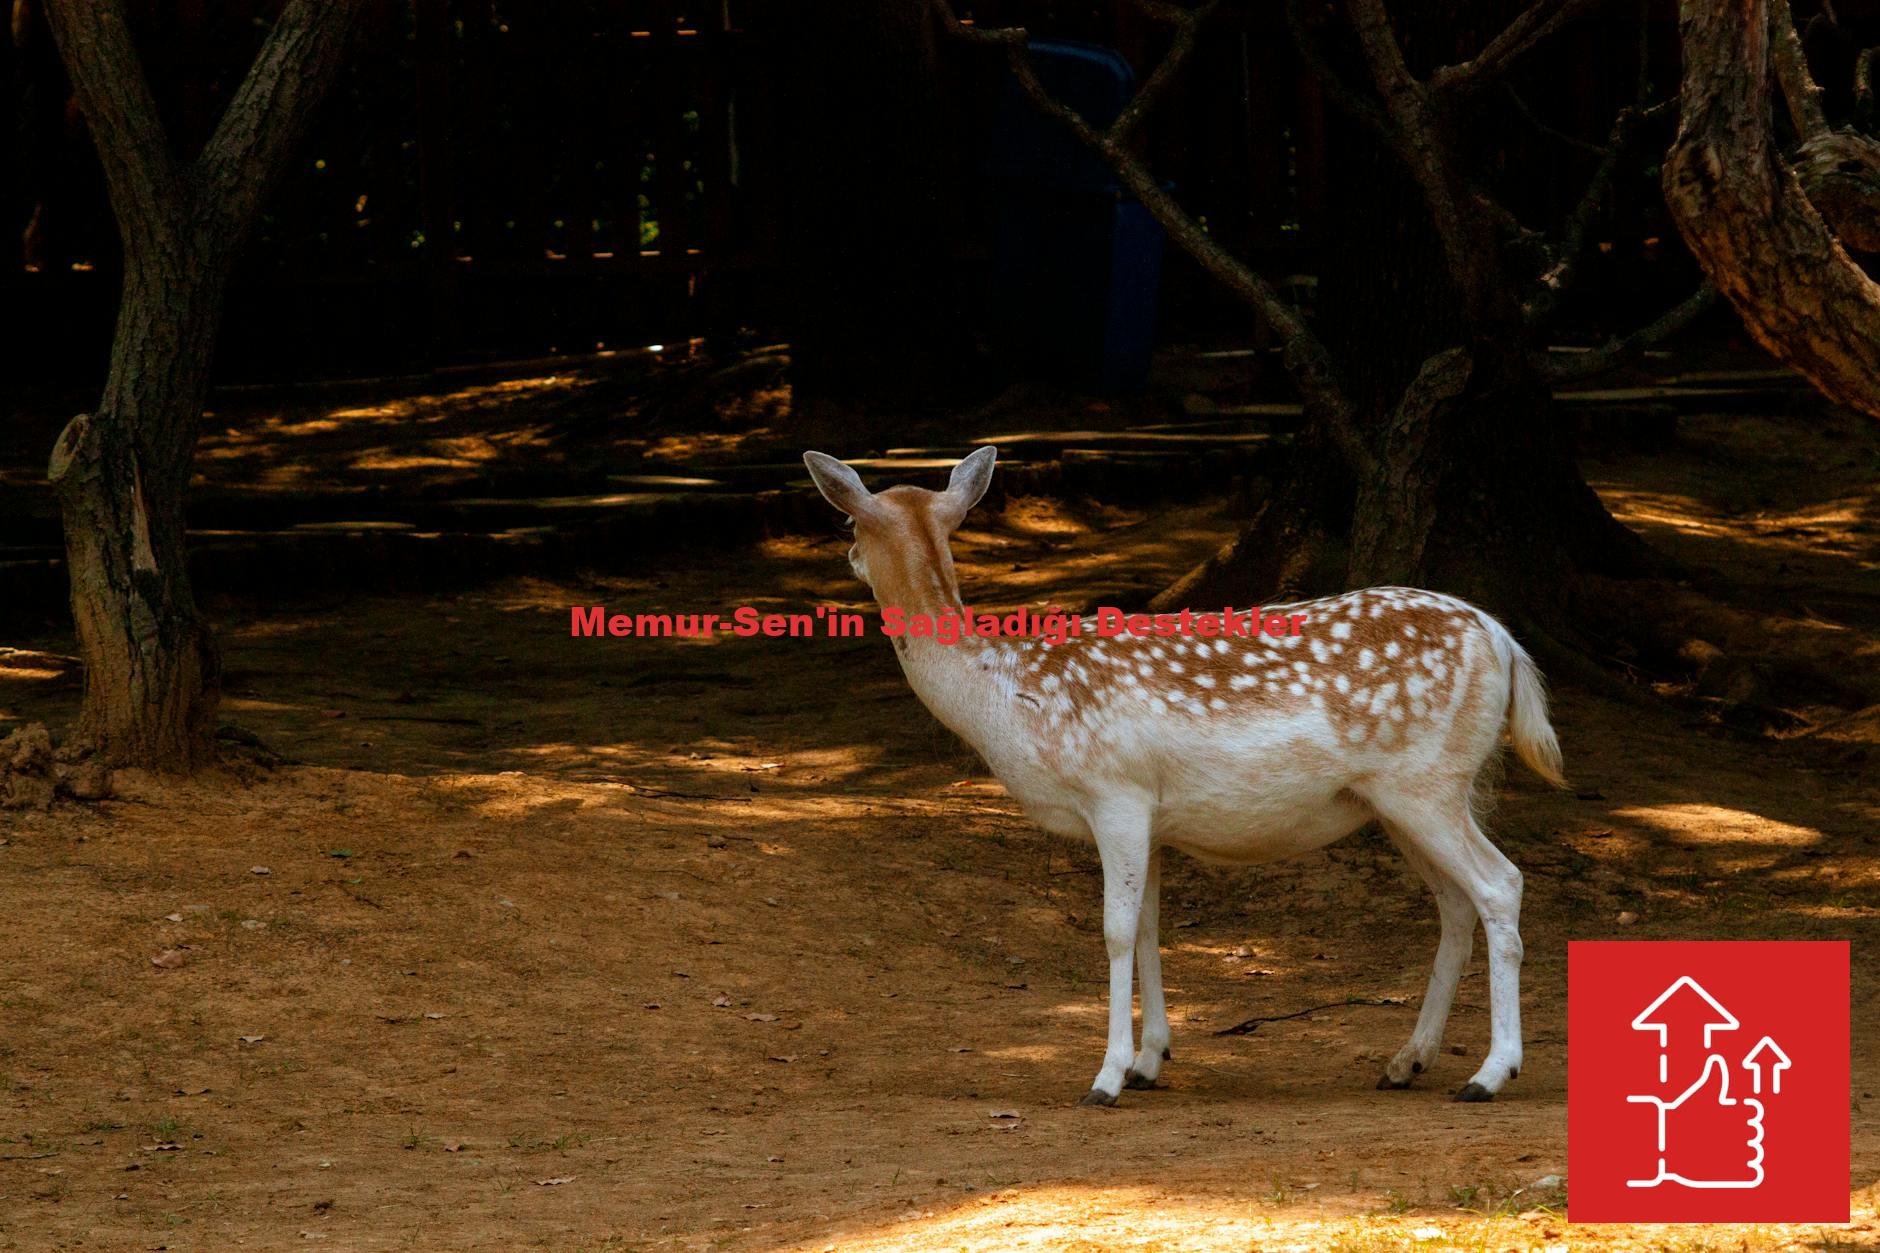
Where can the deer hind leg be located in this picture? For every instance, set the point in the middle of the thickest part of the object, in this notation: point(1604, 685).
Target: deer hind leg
point(1122, 835)
point(1457, 912)
point(1446, 833)
point(1147, 1067)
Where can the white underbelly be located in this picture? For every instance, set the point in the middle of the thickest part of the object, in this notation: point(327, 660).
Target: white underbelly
point(1246, 822)
point(1257, 832)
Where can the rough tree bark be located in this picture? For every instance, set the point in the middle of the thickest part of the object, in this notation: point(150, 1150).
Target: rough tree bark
point(1745, 214)
point(1453, 475)
point(121, 471)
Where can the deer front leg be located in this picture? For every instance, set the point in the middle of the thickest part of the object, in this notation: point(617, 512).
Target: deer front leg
point(1123, 844)
point(1147, 1067)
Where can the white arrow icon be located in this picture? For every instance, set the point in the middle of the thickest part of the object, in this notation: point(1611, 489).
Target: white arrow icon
point(1775, 1068)
point(1723, 1019)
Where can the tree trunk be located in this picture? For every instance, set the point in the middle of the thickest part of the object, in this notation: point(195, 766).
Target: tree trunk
point(152, 675)
point(1475, 491)
point(1471, 485)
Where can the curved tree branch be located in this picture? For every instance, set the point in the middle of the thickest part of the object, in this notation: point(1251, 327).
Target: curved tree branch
point(1356, 105)
point(1619, 349)
point(1626, 125)
point(1747, 220)
point(1158, 11)
point(1187, 26)
point(265, 121)
point(1791, 66)
point(1840, 173)
point(273, 108)
point(1529, 28)
point(1306, 358)
point(140, 172)
point(1863, 88)
point(1839, 168)
point(1463, 228)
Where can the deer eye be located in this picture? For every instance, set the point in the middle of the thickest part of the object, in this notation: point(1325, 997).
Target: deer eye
point(848, 523)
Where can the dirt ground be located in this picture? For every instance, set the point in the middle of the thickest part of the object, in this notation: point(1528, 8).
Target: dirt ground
point(534, 941)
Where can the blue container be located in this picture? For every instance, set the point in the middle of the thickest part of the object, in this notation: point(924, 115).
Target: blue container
point(1078, 261)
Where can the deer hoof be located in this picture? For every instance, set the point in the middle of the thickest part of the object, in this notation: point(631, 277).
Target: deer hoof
point(1098, 1097)
point(1474, 1092)
point(1388, 1084)
point(1142, 1083)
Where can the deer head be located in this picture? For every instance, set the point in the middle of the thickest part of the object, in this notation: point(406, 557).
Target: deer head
point(901, 547)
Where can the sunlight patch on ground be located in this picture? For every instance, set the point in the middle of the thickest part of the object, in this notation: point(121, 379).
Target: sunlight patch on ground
point(701, 447)
point(715, 758)
point(1089, 1220)
point(453, 453)
point(403, 461)
point(429, 404)
point(1827, 526)
point(1717, 824)
point(249, 704)
point(29, 674)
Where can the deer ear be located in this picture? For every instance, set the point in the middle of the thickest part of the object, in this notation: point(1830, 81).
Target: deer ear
point(971, 477)
point(839, 485)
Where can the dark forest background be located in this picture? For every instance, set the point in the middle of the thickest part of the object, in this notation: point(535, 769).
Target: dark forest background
point(496, 180)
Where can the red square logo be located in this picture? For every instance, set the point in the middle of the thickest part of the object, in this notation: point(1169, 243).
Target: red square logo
point(1707, 1082)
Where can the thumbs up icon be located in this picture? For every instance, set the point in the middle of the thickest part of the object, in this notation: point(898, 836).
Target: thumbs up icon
point(1713, 1139)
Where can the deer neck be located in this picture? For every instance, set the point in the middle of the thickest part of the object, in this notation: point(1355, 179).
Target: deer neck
point(960, 683)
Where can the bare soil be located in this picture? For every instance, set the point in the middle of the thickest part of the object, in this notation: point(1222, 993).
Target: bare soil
point(534, 941)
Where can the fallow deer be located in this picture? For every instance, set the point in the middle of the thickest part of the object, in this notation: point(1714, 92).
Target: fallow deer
point(1388, 705)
